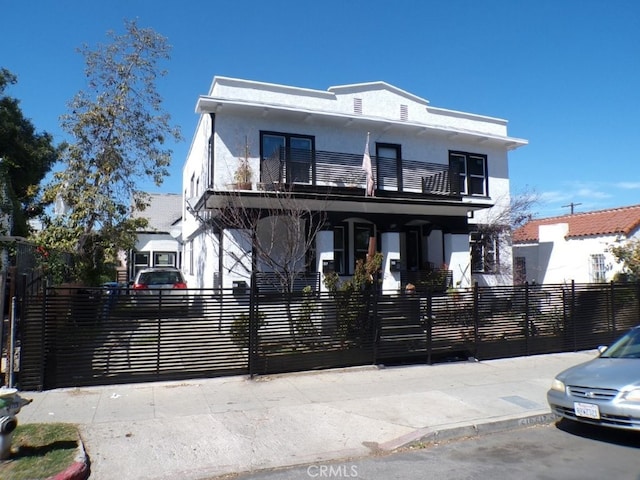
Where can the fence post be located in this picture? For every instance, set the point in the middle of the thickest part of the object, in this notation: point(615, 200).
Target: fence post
point(476, 318)
point(638, 297)
point(572, 315)
point(429, 325)
point(253, 326)
point(613, 310)
point(159, 330)
point(13, 318)
point(376, 323)
point(526, 317)
point(44, 318)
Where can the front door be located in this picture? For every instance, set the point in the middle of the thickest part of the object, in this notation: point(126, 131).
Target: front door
point(412, 250)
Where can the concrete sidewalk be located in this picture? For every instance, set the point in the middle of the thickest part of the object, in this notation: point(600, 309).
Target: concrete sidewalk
point(210, 427)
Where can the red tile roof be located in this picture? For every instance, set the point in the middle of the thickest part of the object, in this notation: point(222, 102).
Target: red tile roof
point(614, 221)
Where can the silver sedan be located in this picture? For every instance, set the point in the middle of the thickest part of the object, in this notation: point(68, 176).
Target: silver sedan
point(603, 391)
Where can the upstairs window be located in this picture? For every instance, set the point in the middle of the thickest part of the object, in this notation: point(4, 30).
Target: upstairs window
point(471, 171)
point(286, 155)
point(484, 252)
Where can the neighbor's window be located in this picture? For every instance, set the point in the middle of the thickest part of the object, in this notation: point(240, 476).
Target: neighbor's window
point(484, 252)
point(164, 259)
point(471, 170)
point(520, 270)
point(598, 272)
point(140, 261)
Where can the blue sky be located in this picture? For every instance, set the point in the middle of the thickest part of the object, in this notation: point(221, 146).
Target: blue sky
point(563, 72)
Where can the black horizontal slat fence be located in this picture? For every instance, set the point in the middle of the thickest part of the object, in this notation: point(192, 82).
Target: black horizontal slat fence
point(73, 337)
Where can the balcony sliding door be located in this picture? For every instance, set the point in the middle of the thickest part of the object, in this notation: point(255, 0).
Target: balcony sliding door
point(286, 157)
point(388, 159)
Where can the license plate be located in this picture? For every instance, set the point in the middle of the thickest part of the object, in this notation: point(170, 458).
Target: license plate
point(587, 410)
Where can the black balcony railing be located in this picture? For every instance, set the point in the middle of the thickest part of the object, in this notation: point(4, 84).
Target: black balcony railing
point(335, 169)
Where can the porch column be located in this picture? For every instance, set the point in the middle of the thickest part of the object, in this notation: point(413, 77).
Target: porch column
point(236, 257)
point(391, 251)
point(458, 257)
point(324, 252)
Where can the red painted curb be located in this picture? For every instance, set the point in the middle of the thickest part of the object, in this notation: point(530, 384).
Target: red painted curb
point(77, 471)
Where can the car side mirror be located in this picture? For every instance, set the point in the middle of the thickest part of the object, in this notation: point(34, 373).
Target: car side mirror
point(602, 349)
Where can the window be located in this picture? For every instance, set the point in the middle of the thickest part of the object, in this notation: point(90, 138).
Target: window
point(350, 244)
point(140, 261)
point(597, 270)
point(362, 233)
point(339, 250)
point(293, 152)
point(484, 252)
point(471, 170)
point(164, 259)
point(388, 165)
point(520, 270)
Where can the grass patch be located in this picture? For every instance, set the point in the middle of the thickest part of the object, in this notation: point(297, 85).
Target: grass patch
point(40, 450)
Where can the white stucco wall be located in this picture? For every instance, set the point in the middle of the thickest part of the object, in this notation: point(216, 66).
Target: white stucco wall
point(200, 262)
point(236, 264)
point(324, 249)
point(390, 249)
point(379, 99)
point(456, 253)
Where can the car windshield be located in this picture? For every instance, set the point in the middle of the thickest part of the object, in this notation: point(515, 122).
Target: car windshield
point(626, 347)
point(159, 278)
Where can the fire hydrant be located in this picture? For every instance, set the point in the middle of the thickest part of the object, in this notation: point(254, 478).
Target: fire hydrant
point(10, 405)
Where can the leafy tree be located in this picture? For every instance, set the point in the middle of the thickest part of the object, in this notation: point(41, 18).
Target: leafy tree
point(118, 129)
point(26, 157)
point(629, 255)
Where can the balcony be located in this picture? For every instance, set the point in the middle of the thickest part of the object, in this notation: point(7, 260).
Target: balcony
point(322, 170)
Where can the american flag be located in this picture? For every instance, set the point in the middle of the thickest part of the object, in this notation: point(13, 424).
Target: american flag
point(366, 166)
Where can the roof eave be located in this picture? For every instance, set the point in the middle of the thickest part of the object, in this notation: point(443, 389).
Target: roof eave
point(208, 104)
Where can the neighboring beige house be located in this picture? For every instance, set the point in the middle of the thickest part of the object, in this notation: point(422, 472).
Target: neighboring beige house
point(159, 244)
point(428, 178)
point(573, 247)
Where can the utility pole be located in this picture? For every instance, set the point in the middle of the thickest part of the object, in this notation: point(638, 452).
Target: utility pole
point(571, 205)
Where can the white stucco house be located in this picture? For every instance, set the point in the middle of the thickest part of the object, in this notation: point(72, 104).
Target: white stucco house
point(573, 247)
point(160, 243)
point(435, 175)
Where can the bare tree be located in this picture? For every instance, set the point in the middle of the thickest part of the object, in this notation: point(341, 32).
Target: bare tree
point(501, 221)
point(280, 226)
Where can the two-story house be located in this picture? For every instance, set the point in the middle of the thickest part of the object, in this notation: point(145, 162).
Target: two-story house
point(575, 247)
point(358, 166)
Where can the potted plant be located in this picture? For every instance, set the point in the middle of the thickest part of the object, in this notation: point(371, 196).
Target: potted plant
point(243, 175)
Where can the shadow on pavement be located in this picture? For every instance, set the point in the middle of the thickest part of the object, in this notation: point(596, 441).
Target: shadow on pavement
point(625, 438)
